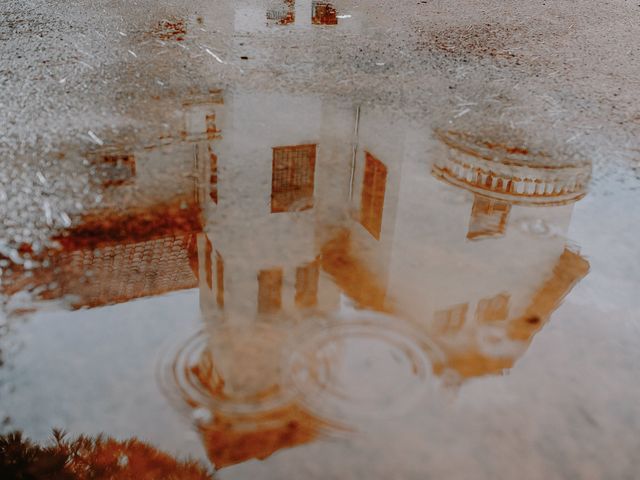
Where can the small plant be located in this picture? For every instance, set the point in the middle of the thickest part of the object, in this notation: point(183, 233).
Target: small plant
point(85, 458)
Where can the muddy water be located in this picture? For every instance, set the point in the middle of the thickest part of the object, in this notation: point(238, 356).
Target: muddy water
point(281, 276)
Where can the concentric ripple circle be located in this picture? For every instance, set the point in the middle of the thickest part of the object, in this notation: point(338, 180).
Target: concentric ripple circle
point(357, 370)
point(227, 369)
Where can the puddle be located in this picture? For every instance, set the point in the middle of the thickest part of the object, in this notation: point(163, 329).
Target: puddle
point(284, 262)
point(355, 371)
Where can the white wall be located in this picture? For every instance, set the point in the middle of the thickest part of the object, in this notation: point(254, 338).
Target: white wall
point(241, 226)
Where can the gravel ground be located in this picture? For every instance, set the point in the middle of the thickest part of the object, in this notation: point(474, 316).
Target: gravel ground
point(561, 74)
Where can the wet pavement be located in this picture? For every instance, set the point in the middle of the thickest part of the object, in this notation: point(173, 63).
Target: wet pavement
point(300, 239)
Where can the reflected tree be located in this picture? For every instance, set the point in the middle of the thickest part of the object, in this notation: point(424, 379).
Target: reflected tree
point(85, 457)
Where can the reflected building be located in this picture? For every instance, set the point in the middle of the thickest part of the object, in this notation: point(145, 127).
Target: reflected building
point(479, 261)
point(259, 272)
point(248, 16)
point(319, 202)
point(140, 241)
point(302, 12)
point(324, 238)
point(275, 194)
point(501, 175)
point(523, 200)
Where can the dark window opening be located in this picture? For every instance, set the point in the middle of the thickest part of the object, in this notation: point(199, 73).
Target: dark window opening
point(323, 13)
point(488, 218)
point(373, 190)
point(307, 284)
point(292, 181)
point(270, 290)
point(213, 176)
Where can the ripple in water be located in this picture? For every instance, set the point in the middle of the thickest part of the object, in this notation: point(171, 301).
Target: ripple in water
point(359, 370)
point(227, 369)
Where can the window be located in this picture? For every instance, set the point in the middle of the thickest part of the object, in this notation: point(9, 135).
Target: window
point(208, 266)
point(283, 14)
point(323, 13)
point(219, 280)
point(292, 178)
point(373, 189)
point(118, 169)
point(207, 263)
point(488, 218)
point(451, 320)
point(210, 123)
point(493, 309)
point(213, 176)
point(307, 284)
point(270, 290)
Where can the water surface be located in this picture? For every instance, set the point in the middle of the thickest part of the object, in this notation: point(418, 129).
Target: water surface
point(297, 239)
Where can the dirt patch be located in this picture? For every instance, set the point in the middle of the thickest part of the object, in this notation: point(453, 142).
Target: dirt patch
point(504, 42)
point(172, 29)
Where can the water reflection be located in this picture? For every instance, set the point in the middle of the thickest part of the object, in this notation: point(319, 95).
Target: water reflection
point(338, 282)
point(282, 358)
point(140, 239)
point(114, 259)
point(286, 12)
point(86, 457)
point(229, 380)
